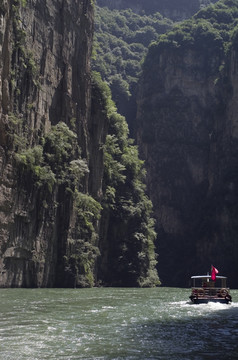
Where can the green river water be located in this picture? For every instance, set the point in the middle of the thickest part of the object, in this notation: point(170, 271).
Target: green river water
point(115, 323)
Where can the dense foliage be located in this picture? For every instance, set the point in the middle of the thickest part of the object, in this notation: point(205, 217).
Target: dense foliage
point(54, 166)
point(121, 42)
point(173, 9)
point(130, 254)
point(214, 26)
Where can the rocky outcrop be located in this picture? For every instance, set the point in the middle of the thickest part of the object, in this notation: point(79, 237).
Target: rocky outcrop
point(187, 131)
point(176, 10)
point(45, 49)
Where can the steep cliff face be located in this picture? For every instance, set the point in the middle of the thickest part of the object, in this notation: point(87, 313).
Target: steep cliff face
point(176, 10)
point(187, 120)
point(66, 160)
point(45, 51)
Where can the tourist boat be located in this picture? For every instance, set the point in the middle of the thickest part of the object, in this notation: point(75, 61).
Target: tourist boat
point(205, 290)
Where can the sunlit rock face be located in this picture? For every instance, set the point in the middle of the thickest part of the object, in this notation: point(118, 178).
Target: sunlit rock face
point(187, 132)
point(64, 218)
point(45, 49)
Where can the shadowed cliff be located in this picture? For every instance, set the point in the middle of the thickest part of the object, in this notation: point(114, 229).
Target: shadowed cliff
point(187, 131)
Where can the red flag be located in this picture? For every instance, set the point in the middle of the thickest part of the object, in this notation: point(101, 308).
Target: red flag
point(214, 271)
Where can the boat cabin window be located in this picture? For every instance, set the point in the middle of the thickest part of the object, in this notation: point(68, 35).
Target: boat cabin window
point(207, 282)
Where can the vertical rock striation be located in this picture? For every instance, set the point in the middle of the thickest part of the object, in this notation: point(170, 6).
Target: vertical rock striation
point(45, 49)
point(65, 156)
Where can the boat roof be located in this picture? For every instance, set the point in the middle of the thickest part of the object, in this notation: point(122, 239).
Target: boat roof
point(207, 277)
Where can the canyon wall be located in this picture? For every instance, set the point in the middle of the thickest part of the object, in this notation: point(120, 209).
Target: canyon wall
point(45, 78)
point(68, 168)
point(187, 130)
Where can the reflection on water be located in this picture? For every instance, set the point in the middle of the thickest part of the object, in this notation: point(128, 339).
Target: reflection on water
point(115, 324)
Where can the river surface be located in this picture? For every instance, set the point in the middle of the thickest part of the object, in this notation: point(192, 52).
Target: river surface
point(115, 323)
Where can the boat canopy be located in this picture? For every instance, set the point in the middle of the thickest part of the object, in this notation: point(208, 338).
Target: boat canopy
point(207, 277)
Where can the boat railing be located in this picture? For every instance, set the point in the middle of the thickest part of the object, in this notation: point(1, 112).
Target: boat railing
point(210, 291)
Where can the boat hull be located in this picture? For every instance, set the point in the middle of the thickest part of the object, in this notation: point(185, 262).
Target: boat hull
point(206, 300)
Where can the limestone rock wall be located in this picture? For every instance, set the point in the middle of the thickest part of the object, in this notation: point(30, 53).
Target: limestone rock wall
point(45, 49)
point(187, 131)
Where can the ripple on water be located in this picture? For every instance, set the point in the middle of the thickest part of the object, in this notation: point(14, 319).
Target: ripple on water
point(114, 324)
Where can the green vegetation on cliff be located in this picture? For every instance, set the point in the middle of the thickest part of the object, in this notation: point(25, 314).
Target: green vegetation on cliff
point(176, 10)
point(121, 41)
point(76, 198)
point(130, 254)
point(211, 27)
point(55, 165)
point(123, 32)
